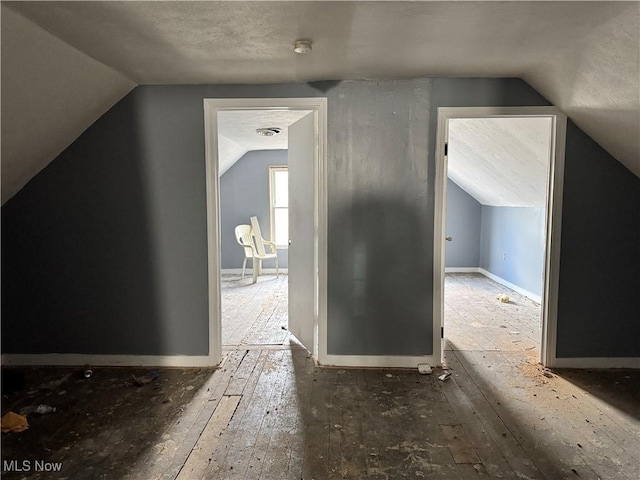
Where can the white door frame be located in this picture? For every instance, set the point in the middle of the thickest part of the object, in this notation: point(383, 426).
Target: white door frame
point(318, 105)
point(553, 217)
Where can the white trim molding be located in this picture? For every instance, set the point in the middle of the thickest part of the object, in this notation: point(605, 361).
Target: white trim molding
point(597, 362)
point(317, 105)
point(495, 278)
point(530, 295)
point(549, 298)
point(238, 271)
point(462, 270)
point(377, 361)
point(79, 359)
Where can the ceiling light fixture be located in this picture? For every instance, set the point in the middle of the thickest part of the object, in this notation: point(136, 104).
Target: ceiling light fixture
point(269, 132)
point(302, 46)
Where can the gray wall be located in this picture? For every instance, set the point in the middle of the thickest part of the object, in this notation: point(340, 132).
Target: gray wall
point(518, 233)
point(105, 251)
point(483, 234)
point(380, 228)
point(599, 302)
point(244, 192)
point(464, 214)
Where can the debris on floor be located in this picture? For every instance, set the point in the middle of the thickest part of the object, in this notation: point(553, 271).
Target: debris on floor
point(14, 423)
point(504, 298)
point(148, 378)
point(424, 369)
point(444, 376)
point(42, 409)
point(53, 384)
point(133, 415)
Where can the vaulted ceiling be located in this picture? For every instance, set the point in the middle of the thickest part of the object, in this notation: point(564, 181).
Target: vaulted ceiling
point(51, 92)
point(501, 162)
point(65, 63)
point(237, 132)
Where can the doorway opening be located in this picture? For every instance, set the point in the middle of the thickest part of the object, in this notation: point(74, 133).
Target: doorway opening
point(270, 185)
point(253, 161)
point(498, 193)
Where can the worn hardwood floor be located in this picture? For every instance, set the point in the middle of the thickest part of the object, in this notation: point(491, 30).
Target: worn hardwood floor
point(269, 413)
point(254, 314)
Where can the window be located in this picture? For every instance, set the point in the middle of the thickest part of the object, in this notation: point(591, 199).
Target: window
point(279, 205)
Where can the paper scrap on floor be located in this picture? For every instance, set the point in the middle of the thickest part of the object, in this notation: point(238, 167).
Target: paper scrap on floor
point(14, 423)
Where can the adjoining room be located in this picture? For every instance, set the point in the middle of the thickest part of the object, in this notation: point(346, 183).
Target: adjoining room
point(254, 225)
point(496, 231)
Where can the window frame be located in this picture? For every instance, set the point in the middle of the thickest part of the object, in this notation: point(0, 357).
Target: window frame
point(272, 169)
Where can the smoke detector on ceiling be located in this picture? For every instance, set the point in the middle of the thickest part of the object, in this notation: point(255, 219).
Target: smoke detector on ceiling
point(269, 132)
point(302, 46)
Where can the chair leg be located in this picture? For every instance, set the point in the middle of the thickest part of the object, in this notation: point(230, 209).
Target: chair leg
point(277, 272)
point(244, 265)
point(256, 266)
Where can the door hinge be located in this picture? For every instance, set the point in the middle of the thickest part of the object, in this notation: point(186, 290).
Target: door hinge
point(441, 332)
point(446, 149)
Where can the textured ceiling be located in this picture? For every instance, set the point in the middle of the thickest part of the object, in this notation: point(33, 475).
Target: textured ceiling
point(237, 133)
point(501, 161)
point(240, 127)
point(582, 56)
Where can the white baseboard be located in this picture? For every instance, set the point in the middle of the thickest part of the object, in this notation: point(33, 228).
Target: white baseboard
point(597, 362)
point(512, 286)
point(495, 278)
point(249, 272)
point(378, 361)
point(78, 359)
point(462, 270)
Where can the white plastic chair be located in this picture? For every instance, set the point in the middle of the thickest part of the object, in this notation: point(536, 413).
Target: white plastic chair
point(261, 250)
point(244, 237)
point(253, 247)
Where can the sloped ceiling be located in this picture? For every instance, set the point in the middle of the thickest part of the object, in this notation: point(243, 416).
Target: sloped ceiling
point(229, 152)
point(51, 93)
point(240, 126)
point(583, 56)
point(237, 133)
point(501, 161)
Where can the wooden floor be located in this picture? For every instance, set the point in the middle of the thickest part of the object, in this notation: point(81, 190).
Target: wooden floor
point(475, 320)
point(254, 313)
point(269, 413)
